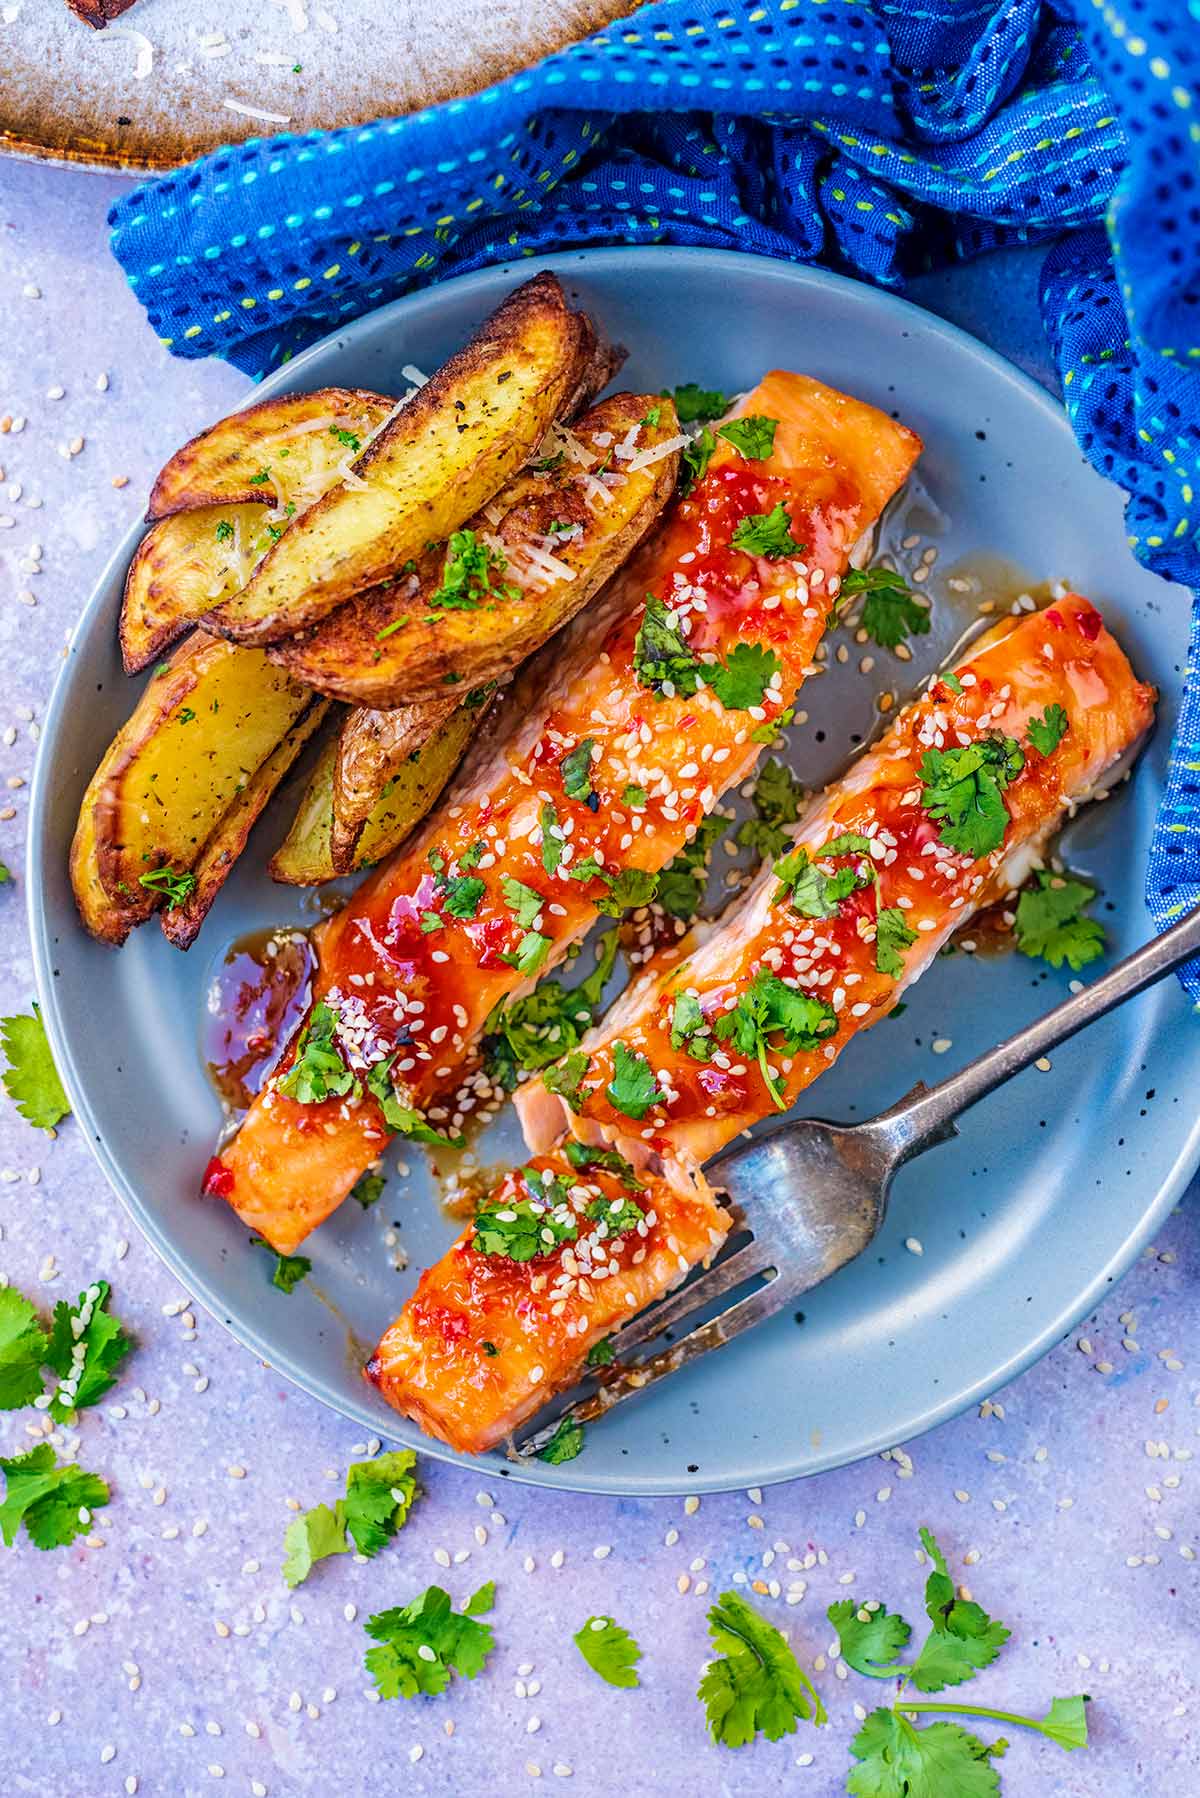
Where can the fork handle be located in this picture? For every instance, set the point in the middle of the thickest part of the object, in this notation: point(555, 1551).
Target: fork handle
point(926, 1115)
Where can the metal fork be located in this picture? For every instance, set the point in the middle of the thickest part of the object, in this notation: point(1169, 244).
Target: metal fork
point(813, 1195)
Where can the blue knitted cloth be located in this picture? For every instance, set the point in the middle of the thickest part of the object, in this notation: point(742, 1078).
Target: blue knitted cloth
point(877, 138)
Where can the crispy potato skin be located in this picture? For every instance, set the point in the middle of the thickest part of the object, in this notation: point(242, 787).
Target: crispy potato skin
point(435, 463)
point(108, 920)
point(181, 923)
point(171, 579)
point(218, 466)
point(372, 748)
point(198, 733)
point(305, 858)
point(346, 655)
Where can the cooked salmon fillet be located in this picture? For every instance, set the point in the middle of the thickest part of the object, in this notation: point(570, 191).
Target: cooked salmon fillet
point(486, 1340)
point(907, 892)
point(869, 860)
point(612, 745)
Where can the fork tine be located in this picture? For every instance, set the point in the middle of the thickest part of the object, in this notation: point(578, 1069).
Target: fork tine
point(625, 1382)
point(743, 1264)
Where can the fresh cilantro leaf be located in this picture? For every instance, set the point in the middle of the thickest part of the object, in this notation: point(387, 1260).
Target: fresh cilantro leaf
point(318, 1072)
point(224, 531)
point(524, 902)
point(23, 1347)
point(633, 1089)
point(963, 791)
point(521, 1229)
point(54, 1502)
point(771, 730)
point(963, 1639)
point(431, 921)
point(565, 1079)
point(627, 889)
point(529, 954)
point(402, 1119)
point(552, 842)
point(769, 1007)
point(565, 1444)
point(635, 797)
point(752, 436)
point(694, 403)
point(583, 1155)
point(742, 681)
point(660, 655)
point(693, 463)
point(379, 1496)
point(609, 1651)
point(891, 936)
point(87, 1345)
point(471, 858)
point(30, 1077)
point(347, 439)
point(367, 1189)
point(619, 1216)
point(467, 576)
point(533, 1032)
point(1050, 921)
point(951, 680)
point(1065, 1722)
point(175, 887)
point(451, 1641)
point(777, 796)
point(682, 882)
point(809, 890)
point(870, 1637)
point(890, 611)
point(576, 770)
point(652, 416)
point(767, 534)
point(289, 1269)
point(313, 1537)
point(1048, 731)
point(461, 895)
point(690, 1029)
point(602, 1353)
point(896, 1760)
point(757, 1686)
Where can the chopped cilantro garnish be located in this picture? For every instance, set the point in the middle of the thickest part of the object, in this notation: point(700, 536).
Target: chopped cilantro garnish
point(422, 1643)
point(660, 654)
point(690, 1029)
point(346, 438)
point(224, 531)
point(261, 478)
point(633, 1088)
point(318, 1072)
point(682, 882)
point(368, 1189)
point(609, 1651)
point(548, 463)
point(963, 790)
point(652, 416)
point(812, 892)
point(1050, 921)
point(389, 630)
point(523, 901)
point(23, 1350)
point(402, 1119)
point(770, 1007)
point(175, 887)
point(30, 1077)
point(521, 1229)
point(1048, 731)
point(951, 680)
point(602, 1353)
point(576, 770)
point(54, 1502)
point(634, 797)
point(694, 403)
point(565, 1444)
point(585, 1155)
point(767, 534)
point(430, 921)
point(693, 463)
point(892, 935)
point(289, 1269)
point(742, 681)
point(461, 894)
point(752, 437)
point(565, 1079)
point(471, 858)
point(530, 953)
point(627, 889)
point(379, 1495)
point(533, 1032)
point(777, 796)
point(890, 610)
point(467, 577)
point(87, 1345)
point(618, 1216)
point(756, 1685)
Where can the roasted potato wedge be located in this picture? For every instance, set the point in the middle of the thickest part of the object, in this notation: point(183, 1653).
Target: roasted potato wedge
point(372, 748)
point(198, 733)
point(108, 920)
point(547, 543)
point(440, 458)
point(305, 859)
point(184, 566)
point(300, 442)
point(181, 921)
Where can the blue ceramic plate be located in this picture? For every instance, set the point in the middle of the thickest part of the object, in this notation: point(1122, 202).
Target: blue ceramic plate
point(1054, 1184)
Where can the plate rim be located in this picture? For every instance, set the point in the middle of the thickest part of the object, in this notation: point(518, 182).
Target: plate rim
point(239, 1322)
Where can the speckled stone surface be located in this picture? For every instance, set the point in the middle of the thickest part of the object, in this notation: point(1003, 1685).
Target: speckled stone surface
point(167, 1657)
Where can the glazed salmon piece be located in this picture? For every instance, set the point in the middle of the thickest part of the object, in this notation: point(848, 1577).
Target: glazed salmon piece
point(847, 955)
point(485, 1340)
point(610, 747)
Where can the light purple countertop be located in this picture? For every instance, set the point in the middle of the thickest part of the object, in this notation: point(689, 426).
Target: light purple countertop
point(165, 1655)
